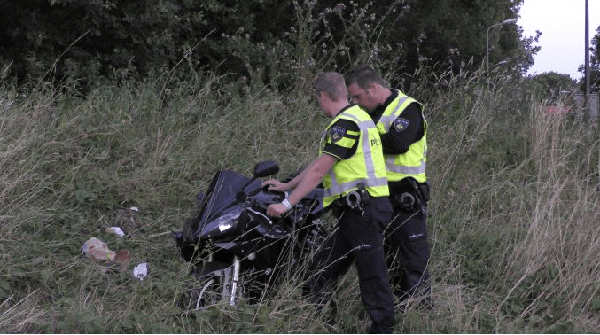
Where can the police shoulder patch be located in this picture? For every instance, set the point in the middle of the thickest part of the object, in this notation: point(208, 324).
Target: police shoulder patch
point(400, 124)
point(336, 133)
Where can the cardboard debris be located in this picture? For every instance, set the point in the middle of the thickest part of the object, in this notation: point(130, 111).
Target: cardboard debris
point(99, 251)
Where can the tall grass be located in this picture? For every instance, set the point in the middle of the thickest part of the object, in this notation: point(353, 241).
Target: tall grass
point(514, 212)
point(513, 219)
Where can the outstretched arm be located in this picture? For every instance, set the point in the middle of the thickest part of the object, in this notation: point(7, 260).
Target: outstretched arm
point(276, 185)
point(305, 182)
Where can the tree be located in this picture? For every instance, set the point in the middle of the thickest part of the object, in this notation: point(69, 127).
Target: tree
point(552, 85)
point(91, 38)
point(270, 41)
point(594, 71)
point(526, 51)
point(405, 36)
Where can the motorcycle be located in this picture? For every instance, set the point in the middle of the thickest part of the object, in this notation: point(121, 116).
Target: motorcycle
point(235, 249)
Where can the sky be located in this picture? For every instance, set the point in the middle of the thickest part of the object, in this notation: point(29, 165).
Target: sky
point(562, 23)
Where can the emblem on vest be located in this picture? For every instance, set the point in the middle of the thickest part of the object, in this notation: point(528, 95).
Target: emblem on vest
point(400, 124)
point(336, 133)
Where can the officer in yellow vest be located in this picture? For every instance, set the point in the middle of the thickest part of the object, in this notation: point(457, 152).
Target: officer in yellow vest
point(352, 169)
point(403, 132)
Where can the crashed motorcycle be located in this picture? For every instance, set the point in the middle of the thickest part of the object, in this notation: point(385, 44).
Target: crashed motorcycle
point(235, 249)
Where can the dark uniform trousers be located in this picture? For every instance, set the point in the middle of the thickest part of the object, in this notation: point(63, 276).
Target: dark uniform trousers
point(407, 255)
point(358, 238)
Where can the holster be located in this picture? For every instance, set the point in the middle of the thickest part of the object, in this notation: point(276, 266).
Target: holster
point(355, 200)
point(408, 194)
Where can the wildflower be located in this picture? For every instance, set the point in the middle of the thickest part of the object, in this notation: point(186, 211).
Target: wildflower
point(339, 8)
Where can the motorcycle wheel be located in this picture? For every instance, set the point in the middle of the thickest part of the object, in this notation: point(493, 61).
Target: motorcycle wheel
point(214, 288)
point(203, 296)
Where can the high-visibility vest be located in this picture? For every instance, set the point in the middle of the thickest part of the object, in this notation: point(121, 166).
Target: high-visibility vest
point(366, 166)
point(412, 162)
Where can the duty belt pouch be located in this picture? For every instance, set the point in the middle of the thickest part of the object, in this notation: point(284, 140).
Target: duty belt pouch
point(336, 209)
point(411, 195)
point(424, 189)
point(355, 200)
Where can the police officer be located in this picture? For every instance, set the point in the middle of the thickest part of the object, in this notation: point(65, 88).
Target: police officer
point(403, 132)
point(351, 167)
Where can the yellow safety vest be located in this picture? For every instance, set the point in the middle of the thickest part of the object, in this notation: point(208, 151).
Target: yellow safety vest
point(366, 166)
point(412, 162)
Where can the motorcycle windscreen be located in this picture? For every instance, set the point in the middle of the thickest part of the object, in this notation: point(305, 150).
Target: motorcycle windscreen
point(221, 203)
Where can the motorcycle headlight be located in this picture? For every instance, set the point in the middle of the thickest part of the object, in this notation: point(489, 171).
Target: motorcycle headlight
point(222, 226)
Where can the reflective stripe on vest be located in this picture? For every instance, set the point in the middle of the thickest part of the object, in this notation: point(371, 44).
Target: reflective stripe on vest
point(387, 120)
point(374, 176)
point(390, 165)
point(372, 181)
point(413, 162)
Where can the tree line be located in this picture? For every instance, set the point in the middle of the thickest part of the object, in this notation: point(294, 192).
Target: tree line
point(266, 41)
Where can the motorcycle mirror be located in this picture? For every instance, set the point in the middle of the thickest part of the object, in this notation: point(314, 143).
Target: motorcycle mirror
point(265, 169)
point(262, 169)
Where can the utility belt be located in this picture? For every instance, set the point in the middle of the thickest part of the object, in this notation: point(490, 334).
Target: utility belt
point(408, 194)
point(355, 200)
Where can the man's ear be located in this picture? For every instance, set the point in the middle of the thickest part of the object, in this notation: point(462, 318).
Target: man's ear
point(374, 87)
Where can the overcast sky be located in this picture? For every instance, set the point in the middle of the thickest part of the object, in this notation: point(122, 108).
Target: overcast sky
point(562, 23)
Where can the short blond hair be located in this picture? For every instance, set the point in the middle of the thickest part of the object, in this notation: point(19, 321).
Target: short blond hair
point(333, 83)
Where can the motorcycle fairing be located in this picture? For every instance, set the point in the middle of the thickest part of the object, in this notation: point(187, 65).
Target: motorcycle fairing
point(220, 200)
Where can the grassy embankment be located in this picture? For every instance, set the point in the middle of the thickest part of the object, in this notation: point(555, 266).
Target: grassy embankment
point(513, 219)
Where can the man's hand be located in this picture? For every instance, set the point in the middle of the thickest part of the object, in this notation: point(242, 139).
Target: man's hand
point(276, 185)
point(276, 210)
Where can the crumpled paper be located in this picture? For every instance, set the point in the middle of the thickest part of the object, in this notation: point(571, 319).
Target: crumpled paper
point(140, 271)
point(115, 230)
